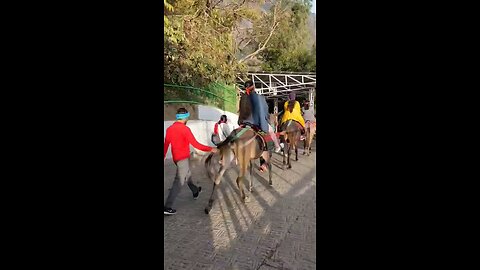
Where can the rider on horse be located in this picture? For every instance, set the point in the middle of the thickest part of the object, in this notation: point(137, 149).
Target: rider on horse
point(260, 117)
point(294, 113)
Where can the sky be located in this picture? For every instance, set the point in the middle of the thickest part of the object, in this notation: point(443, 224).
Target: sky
point(314, 7)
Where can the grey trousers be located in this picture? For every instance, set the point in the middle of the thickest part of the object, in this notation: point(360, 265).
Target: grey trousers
point(183, 174)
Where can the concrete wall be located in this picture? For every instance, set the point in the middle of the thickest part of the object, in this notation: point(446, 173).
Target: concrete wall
point(202, 129)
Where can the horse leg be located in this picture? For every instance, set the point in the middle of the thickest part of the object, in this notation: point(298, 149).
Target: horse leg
point(308, 150)
point(286, 155)
point(295, 146)
point(289, 165)
point(251, 176)
point(310, 145)
point(305, 144)
point(270, 171)
point(215, 184)
point(243, 169)
point(311, 140)
point(212, 199)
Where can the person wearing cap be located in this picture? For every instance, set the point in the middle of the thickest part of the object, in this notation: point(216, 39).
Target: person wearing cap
point(295, 114)
point(180, 137)
point(261, 118)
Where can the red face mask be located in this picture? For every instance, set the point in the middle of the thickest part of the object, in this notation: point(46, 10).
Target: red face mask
point(249, 89)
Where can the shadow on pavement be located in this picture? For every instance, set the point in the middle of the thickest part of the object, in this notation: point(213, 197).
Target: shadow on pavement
point(276, 229)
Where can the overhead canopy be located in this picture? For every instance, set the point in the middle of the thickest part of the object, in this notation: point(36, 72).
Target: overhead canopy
point(279, 84)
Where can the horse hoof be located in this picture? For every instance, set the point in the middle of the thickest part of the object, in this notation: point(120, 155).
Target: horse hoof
point(270, 183)
point(289, 167)
point(207, 211)
point(296, 159)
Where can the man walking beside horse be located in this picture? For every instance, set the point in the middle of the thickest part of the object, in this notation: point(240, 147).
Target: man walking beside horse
point(180, 137)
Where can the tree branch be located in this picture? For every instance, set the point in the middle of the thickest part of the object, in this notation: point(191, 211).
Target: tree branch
point(261, 46)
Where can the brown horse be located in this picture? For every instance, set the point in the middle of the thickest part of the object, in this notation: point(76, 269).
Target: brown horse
point(242, 144)
point(292, 132)
point(310, 129)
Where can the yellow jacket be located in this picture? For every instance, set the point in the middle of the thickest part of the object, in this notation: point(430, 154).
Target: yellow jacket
point(296, 114)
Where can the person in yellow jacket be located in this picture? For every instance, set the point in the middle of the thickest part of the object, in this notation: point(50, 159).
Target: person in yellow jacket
point(294, 113)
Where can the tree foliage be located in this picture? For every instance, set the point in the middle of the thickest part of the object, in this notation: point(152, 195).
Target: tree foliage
point(210, 41)
point(289, 50)
point(201, 52)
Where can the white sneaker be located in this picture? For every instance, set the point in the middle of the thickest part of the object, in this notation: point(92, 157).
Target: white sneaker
point(282, 145)
point(277, 150)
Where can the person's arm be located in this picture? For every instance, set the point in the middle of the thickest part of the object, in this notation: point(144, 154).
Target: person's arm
point(166, 145)
point(195, 143)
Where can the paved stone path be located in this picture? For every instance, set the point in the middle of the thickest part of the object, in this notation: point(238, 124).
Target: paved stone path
point(275, 230)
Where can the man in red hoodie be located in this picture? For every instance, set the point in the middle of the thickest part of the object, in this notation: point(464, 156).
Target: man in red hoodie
point(180, 137)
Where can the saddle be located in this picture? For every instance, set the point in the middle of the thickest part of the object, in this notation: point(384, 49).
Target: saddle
point(284, 125)
point(264, 139)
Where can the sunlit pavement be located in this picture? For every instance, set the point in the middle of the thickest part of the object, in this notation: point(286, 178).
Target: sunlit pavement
point(275, 230)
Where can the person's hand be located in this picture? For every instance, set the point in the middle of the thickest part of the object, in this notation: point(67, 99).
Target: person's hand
point(214, 150)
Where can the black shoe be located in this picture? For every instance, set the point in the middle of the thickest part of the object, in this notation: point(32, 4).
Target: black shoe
point(169, 211)
point(195, 196)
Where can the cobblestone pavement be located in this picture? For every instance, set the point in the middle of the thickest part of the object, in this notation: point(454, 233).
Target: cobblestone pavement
point(274, 230)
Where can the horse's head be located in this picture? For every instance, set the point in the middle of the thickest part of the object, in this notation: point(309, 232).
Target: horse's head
point(306, 105)
point(274, 118)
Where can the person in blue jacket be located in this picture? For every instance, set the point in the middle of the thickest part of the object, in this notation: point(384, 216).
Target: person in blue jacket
point(260, 117)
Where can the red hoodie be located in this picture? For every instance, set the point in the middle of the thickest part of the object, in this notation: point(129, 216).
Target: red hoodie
point(180, 137)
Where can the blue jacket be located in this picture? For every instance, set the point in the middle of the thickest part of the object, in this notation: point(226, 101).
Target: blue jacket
point(260, 115)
